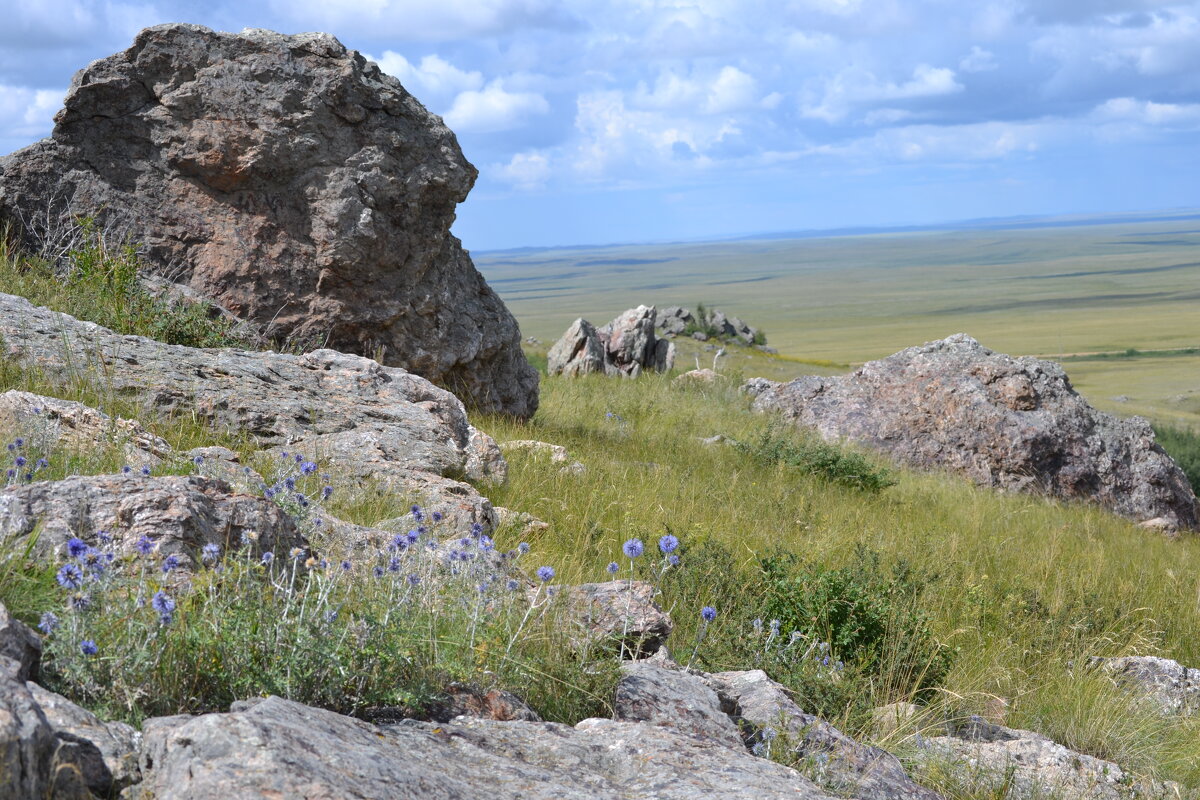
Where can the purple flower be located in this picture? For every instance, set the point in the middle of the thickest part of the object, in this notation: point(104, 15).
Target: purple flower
point(476, 528)
point(512, 584)
point(80, 601)
point(346, 566)
point(19, 461)
point(210, 552)
point(170, 563)
point(708, 613)
point(545, 573)
point(103, 537)
point(378, 572)
point(162, 602)
point(125, 470)
point(76, 547)
point(394, 564)
point(49, 622)
point(144, 546)
point(88, 647)
point(667, 544)
point(523, 548)
point(612, 568)
point(267, 558)
point(436, 516)
point(673, 560)
point(42, 463)
point(326, 492)
point(633, 548)
point(69, 576)
point(198, 460)
point(308, 468)
point(145, 471)
point(417, 513)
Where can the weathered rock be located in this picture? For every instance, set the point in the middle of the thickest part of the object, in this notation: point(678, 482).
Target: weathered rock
point(620, 611)
point(556, 452)
point(48, 421)
point(292, 182)
point(578, 351)
point(696, 377)
point(625, 346)
point(886, 720)
point(1165, 684)
point(20, 648)
point(847, 767)
point(359, 419)
point(1010, 423)
point(278, 748)
point(675, 699)
point(1032, 765)
point(179, 513)
point(27, 743)
point(104, 753)
point(673, 320)
point(495, 704)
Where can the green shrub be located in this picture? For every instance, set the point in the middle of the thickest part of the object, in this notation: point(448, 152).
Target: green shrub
point(814, 457)
point(1183, 445)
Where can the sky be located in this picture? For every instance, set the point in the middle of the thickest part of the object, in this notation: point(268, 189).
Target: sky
point(595, 122)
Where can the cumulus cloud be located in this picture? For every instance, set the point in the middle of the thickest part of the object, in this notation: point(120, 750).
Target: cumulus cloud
point(1147, 112)
point(978, 60)
point(853, 87)
point(28, 113)
point(426, 20)
point(432, 77)
point(494, 109)
point(527, 171)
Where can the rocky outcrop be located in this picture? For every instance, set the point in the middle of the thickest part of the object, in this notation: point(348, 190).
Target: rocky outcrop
point(843, 765)
point(648, 692)
point(292, 182)
point(1030, 765)
point(20, 648)
point(621, 612)
point(710, 322)
point(361, 420)
point(279, 748)
point(1011, 423)
point(1165, 684)
point(626, 346)
point(104, 754)
point(178, 514)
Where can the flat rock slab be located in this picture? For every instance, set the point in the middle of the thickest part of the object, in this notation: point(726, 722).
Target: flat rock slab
point(278, 748)
point(674, 699)
point(289, 180)
point(359, 419)
point(180, 514)
point(49, 422)
point(1010, 423)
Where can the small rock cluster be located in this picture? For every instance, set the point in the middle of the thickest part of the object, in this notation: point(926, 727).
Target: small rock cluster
point(626, 346)
point(1010, 423)
point(712, 323)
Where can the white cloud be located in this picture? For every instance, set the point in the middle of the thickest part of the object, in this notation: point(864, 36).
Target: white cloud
point(853, 87)
point(433, 77)
point(733, 90)
point(985, 141)
point(28, 113)
point(493, 109)
point(978, 60)
point(527, 171)
point(1147, 112)
point(438, 20)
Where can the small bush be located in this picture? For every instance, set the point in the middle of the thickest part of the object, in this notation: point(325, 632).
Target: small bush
point(814, 457)
point(1183, 445)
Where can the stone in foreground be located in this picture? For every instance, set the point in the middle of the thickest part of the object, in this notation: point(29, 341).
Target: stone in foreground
point(358, 419)
point(1010, 423)
point(278, 748)
point(672, 698)
point(289, 180)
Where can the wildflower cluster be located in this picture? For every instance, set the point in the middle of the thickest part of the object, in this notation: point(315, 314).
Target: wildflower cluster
point(794, 648)
point(23, 464)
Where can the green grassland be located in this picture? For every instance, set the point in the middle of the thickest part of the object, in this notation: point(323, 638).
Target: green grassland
point(1052, 291)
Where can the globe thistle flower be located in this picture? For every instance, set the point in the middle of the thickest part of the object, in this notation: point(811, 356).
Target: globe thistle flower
point(708, 613)
point(633, 548)
point(667, 544)
point(477, 529)
point(144, 546)
point(94, 561)
point(210, 552)
point(163, 603)
point(417, 514)
point(673, 560)
point(612, 567)
point(346, 565)
point(394, 564)
point(267, 558)
point(297, 553)
point(79, 601)
point(88, 647)
point(512, 584)
point(49, 622)
point(331, 615)
point(69, 576)
point(436, 516)
point(103, 537)
point(290, 483)
point(414, 580)
point(308, 468)
point(76, 547)
point(170, 563)
point(145, 471)
point(125, 470)
point(20, 461)
point(198, 460)
point(378, 571)
point(42, 463)
point(545, 573)
point(523, 548)
point(326, 492)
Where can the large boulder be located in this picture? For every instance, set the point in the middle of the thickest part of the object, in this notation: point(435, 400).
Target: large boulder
point(671, 698)
point(1162, 683)
point(359, 419)
point(292, 182)
point(1011, 423)
point(279, 748)
point(32, 764)
point(20, 648)
point(626, 346)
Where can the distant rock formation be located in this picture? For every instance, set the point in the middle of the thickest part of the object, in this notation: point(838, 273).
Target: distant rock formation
point(709, 323)
point(625, 346)
point(290, 181)
point(1010, 423)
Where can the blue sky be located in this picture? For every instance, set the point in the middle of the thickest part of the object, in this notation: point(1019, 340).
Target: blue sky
point(637, 120)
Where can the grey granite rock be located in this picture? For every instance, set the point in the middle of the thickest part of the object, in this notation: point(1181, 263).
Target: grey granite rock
point(180, 514)
point(31, 765)
point(619, 611)
point(1011, 423)
point(20, 648)
point(359, 419)
point(1166, 684)
point(626, 346)
point(578, 351)
point(278, 748)
point(104, 753)
point(1032, 765)
point(292, 182)
point(672, 698)
point(845, 766)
